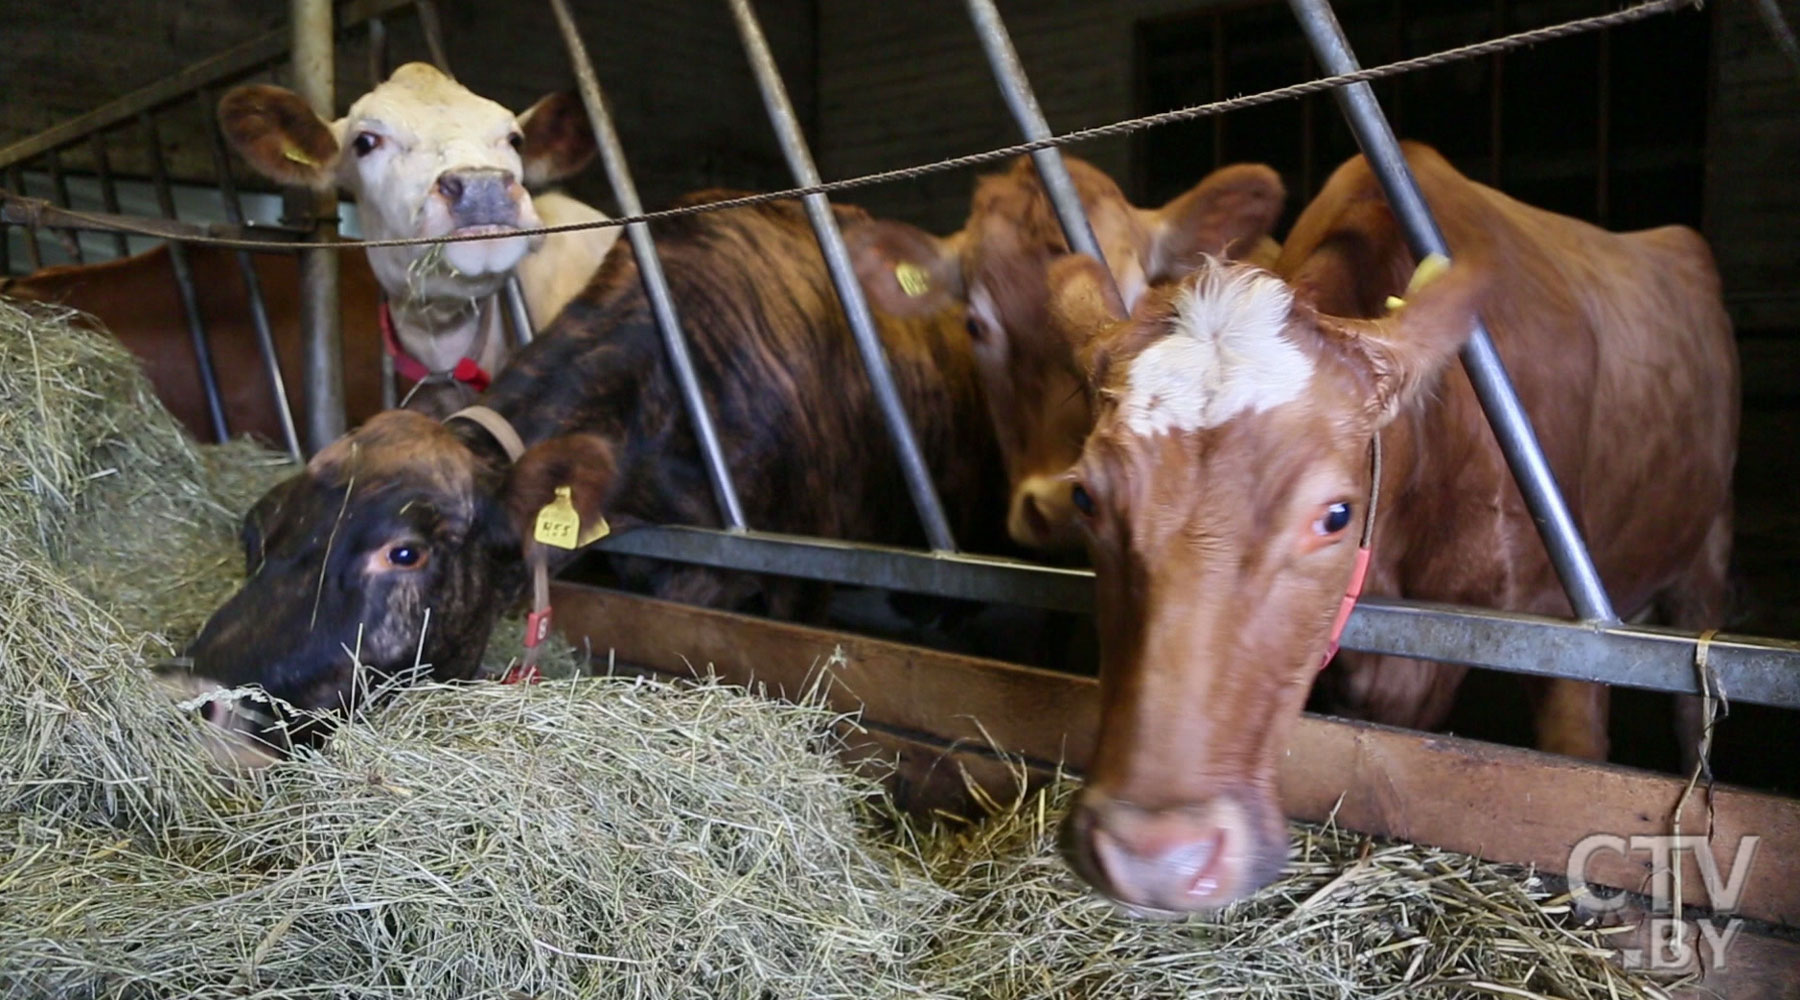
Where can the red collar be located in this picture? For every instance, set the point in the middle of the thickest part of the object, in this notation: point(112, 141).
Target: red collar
point(468, 371)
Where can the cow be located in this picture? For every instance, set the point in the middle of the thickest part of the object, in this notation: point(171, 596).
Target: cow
point(993, 265)
point(423, 156)
point(1224, 491)
point(136, 300)
point(408, 517)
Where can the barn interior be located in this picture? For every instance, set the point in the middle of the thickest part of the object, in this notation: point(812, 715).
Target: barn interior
point(1688, 118)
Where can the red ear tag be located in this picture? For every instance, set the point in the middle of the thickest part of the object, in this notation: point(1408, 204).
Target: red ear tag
point(1351, 593)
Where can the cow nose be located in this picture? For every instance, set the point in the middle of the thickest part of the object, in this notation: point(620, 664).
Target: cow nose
point(241, 734)
point(479, 196)
point(1042, 516)
point(1163, 860)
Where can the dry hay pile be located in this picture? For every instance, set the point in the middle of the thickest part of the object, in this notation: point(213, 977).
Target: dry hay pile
point(586, 837)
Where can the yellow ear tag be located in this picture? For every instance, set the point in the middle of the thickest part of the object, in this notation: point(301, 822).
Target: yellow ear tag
point(294, 153)
point(557, 522)
point(593, 532)
point(1429, 269)
point(913, 279)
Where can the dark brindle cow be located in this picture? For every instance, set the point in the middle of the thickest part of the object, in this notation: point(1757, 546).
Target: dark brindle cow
point(1225, 485)
point(995, 265)
point(407, 516)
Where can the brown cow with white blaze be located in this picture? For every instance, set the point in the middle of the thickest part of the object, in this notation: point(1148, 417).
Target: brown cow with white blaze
point(1225, 485)
point(995, 264)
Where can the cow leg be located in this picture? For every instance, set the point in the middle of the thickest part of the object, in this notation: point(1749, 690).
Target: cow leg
point(1572, 717)
point(1698, 601)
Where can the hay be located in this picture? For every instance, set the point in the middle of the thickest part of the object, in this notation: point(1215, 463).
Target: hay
point(586, 837)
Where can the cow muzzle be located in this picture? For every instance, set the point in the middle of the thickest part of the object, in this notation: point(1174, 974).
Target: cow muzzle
point(243, 729)
point(1172, 861)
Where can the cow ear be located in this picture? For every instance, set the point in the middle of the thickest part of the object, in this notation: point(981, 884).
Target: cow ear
point(280, 136)
point(1228, 214)
point(905, 270)
point(1084, 304)
point(559, 139)
point(1404, 353)
point(260, 523)
point(582, 462)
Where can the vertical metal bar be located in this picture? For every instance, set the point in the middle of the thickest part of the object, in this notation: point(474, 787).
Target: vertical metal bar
point(59, 188)
point(1781, 31)
point(1009, 73)
point(656, 286)
point(33, 253)
point(378, 52)
point(433, 28)
point(315, 79)
point(259, 313)
point(109, 191)
point(1518, 441)
point(184, 284)
point(512, 295)
point(843, 277)
point(1603, 133)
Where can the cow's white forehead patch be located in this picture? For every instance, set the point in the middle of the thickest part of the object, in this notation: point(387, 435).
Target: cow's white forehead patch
point(1225, 353)
point(419, 99)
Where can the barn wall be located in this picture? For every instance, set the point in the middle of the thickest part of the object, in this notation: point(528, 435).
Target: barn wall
point(901, 84)
point(688, 110)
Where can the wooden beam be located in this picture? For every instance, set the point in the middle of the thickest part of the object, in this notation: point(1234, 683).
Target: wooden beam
point(1500, 803)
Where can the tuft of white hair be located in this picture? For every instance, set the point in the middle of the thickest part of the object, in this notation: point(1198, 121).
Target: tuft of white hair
point(1225, 353)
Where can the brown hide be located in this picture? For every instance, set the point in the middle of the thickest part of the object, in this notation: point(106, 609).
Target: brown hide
point(136, 299)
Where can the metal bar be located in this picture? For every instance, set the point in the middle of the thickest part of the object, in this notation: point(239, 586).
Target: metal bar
point(259, 313)
point(1021, 100)
point(378, 52)
point(315, 71)
point(1781, 31)
point(1518, 441)
point(36, 211)
point(233, 62)
point(184, 284)
point(59, 188)
point(518, 314)
point(843, 277)
point(433, 27)
point(1749, 669)
point(109, 191)
point(656, 285)
point(34, 254)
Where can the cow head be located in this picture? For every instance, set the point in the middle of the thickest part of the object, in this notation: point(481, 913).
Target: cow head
point(423, 156)
point(996, 264)
point(1221, 495)
point(390, 556)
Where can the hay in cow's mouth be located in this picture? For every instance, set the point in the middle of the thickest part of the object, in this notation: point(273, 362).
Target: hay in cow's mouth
point(581, 837)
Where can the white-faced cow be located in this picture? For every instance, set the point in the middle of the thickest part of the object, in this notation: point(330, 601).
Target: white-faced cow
point(424, 156)
point(1225, 485)
point(408, 516)
point(995, 265)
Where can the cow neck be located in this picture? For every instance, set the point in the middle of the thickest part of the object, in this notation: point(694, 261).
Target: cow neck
point(537, 624)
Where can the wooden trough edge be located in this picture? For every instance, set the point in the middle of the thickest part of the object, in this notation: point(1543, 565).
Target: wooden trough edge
point(1500, 803)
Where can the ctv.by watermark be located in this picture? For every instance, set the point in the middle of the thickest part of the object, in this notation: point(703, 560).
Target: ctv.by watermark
point(1670, 945)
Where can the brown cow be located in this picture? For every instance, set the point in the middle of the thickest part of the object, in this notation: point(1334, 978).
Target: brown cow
point(1225, 485)
point(407, 517)
point(135, 299)
point(995, 265)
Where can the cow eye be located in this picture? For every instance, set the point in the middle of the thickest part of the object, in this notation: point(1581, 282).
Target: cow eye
point(404, 556)
point(365, 143)
point(516, 140)
point(1082, 500)
point(1335, 519)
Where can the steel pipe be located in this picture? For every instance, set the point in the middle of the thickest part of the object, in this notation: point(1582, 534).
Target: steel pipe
point(184, 284)
point(843, 278)
point(59, 188)
point(315, 80)
point(518, 314)
point(433, 28)
point(656, 285)
point(109, 191)
point(34, 255)
point(259, 313)
point(1009, 73)
point(1518, 442)
point(1753, 670)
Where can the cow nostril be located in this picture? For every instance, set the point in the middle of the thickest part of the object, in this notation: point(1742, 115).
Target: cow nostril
point(451, 187)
